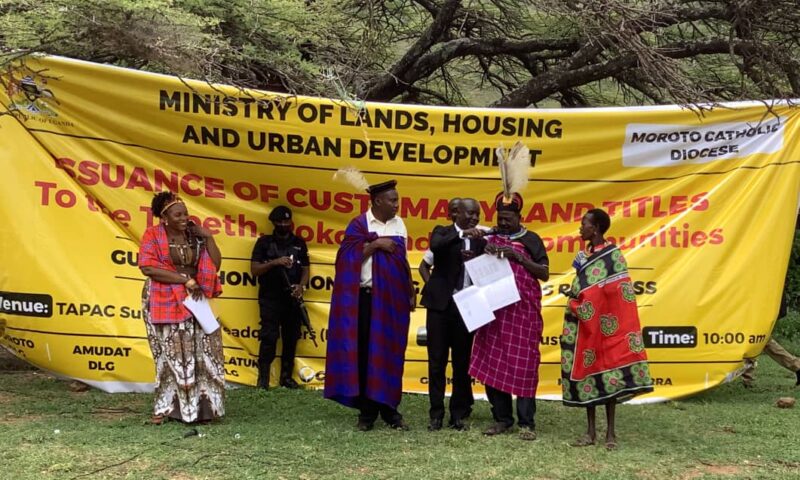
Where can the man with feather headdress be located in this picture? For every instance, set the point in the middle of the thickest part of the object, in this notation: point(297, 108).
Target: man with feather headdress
point(370, 310)
point(505, 353)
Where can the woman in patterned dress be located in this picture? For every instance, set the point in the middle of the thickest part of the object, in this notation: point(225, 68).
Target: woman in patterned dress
point(603, 361)
point(181, 259)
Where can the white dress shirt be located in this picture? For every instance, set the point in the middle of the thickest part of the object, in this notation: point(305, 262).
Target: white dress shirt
point(427, 257)
point(465, 246)
point(394, 227)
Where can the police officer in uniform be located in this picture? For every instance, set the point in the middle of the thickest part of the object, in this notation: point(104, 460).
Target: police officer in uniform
point(281, 262)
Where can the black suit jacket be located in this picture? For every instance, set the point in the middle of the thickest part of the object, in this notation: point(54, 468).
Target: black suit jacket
point(448, 265)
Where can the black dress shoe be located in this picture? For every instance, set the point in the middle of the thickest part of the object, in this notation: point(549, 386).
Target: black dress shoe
point(288, 382)
point(436, 424)
point(458, 425)
point(400, 425)
point(364, 426)
point(496, 429)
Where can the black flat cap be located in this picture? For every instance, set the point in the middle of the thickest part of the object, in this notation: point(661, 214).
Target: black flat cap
point(379, 188)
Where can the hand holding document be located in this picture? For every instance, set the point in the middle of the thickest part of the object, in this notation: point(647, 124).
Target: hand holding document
point(201, 310)
point(494, 288)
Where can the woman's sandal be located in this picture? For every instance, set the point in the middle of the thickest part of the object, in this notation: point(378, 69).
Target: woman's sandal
point(158, 419)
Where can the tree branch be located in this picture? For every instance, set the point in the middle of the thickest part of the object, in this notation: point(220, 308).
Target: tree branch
point(542, 86)
point(463, 47)
point(387, 86)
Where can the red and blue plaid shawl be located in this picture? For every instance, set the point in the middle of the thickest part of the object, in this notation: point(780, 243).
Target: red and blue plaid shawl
point(166, 299)
point(389, 324)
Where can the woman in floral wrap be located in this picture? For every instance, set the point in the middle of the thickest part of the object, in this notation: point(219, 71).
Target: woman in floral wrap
point(603, 361)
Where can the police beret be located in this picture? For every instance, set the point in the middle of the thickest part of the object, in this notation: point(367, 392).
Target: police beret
point(280, 213)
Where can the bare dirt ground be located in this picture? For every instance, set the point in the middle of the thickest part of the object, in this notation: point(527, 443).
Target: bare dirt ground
point(10, 362)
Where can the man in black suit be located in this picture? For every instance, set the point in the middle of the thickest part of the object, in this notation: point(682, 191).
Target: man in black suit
point(427, 259)
point(451, 245)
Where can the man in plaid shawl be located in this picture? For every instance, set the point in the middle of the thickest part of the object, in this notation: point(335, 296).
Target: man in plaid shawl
point(505, 354)
point(370, 313)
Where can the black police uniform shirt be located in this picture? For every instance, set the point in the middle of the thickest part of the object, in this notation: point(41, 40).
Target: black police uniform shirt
point(272, 284)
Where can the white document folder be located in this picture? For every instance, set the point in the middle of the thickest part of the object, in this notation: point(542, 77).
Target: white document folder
point(201, 310)
point(495, 278)
point(474, 308)
point(487, 269)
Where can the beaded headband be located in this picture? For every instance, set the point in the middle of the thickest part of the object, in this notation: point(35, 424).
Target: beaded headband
point(173, 202)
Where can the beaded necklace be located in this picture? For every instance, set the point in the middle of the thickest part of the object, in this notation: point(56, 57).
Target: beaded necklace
point(184, 252)
point(515, 236)
point(591, 249)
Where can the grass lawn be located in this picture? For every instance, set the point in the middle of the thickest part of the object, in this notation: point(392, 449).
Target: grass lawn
point(48, 431)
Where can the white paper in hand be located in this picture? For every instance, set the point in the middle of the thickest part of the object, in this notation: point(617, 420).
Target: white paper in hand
point(201, 310)
point(495, 277)
point(487, 269)
point(473, 307)
point(501, 293)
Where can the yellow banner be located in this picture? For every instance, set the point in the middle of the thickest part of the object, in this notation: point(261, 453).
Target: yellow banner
point(702, 204)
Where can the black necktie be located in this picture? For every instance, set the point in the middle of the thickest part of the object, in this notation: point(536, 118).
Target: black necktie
point(461, 269)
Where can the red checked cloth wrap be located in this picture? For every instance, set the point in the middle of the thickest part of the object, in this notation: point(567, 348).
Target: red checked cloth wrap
point(166, 299)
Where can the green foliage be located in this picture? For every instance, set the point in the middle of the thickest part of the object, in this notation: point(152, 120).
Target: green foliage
point(788, 327)
point(154, 33)
point(505, 53)
point(792, 287)
point(282, 45)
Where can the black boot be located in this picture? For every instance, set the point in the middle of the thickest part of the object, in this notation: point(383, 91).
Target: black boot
point(263, 378)
point(287, 367)
point(797, 373)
